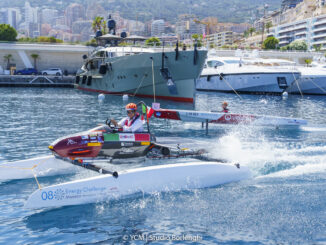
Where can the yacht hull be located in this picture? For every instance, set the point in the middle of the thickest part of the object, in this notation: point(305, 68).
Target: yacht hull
point(309, 84)
point(140, 75)
point(247, 82)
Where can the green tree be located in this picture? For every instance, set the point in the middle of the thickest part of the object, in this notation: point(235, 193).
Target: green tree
point(42, 39)
point(270, 43)
point(251, 30)
point(92, 43)
point(153, 41)
point(35, 57)
point(246, 33)
point(268, 25)
point(308, 61)
point(198, 39)
point(99, 24)
point(284, 48)
point(317, 47)
point(7, 33)
point(7, 59)
point(298, 45)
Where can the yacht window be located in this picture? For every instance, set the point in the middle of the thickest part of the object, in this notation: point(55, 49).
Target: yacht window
point(214, 63)
point(232, 61)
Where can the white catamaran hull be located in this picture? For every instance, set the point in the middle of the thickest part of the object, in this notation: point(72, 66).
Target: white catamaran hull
point(227, 118)
point(153, 179)
point(40, 166)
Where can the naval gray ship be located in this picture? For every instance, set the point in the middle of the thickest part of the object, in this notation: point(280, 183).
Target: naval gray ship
point(145, 72)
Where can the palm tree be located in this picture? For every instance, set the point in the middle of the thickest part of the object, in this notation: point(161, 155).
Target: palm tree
point(97, 24)
point(35, 57)
point(7, 58)
point(251, 30)
point(104, 25)
point(268, 25)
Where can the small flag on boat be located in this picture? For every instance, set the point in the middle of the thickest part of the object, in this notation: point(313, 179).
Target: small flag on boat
point(150, 112)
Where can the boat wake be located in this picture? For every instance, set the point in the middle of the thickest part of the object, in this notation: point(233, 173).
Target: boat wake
point(265, 157)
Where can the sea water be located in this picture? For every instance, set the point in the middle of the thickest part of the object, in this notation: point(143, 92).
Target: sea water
point(283, 203)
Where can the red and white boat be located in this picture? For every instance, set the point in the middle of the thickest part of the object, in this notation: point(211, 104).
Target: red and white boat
point(227, 118)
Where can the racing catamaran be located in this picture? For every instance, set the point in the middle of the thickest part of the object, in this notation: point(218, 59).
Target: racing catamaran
point(227, 118)
point(101, 145)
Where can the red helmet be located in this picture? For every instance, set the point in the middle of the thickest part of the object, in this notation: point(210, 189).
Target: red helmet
point(131, 106)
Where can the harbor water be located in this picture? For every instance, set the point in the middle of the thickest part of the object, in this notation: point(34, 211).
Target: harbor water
point(283, 202)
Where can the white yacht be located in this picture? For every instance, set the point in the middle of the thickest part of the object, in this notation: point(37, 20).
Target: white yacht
point(229, 74)
point(312, 81)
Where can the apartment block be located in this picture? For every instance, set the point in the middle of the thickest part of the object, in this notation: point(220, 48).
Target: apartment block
point(222, 38)
point(311, 30)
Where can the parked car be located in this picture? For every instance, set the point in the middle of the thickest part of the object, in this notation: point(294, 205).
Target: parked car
point(26, 71)
point(52, 71)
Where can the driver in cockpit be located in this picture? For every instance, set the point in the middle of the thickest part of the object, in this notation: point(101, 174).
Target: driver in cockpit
point(131, 123)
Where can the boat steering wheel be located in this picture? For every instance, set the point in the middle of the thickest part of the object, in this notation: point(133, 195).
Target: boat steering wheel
point(110, 124)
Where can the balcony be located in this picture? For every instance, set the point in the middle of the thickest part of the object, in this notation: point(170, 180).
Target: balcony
point(283, 42)
point(286, 30)
point(300, 33)
point(303, 26)
point(319, 42)
point(294, 27)
point(285, 36)
point(319, 35)
point(319, 22)
point(319, 29)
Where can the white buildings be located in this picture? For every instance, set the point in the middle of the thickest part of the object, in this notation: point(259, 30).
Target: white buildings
point(221, 39)
point(186, 27)
point(49, 16)
point(10, 16)
point(158, 27)
point(30, 14)
point(312, 31)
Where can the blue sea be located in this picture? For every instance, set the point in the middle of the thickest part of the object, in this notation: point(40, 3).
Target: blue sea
point(283, 203)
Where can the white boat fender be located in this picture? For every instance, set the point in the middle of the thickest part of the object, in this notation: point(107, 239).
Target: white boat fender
point(125, 97)
point(285, 95)
point(101, 97)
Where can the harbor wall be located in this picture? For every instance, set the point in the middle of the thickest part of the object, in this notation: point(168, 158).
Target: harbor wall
point(67, 57)
point(296, 56)
point(36, 81)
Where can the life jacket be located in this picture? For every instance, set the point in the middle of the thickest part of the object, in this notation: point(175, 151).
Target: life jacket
point(226, 111)
point(132, 121)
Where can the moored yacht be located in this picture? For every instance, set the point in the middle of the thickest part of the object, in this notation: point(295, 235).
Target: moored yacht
point(312, 81)
point(228, 74)
point(146, 72)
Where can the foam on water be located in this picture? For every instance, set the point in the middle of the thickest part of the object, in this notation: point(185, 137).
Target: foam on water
point(307, 169)
point(264, 156)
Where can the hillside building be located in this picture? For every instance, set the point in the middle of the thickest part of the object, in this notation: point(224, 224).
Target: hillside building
point(221, 39)
point(158, 28)
point(186, 27)
point(311, 30)
point(74, 12)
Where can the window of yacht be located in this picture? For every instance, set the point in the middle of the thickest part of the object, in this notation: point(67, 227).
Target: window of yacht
point(214, 63)
point(231, 61)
